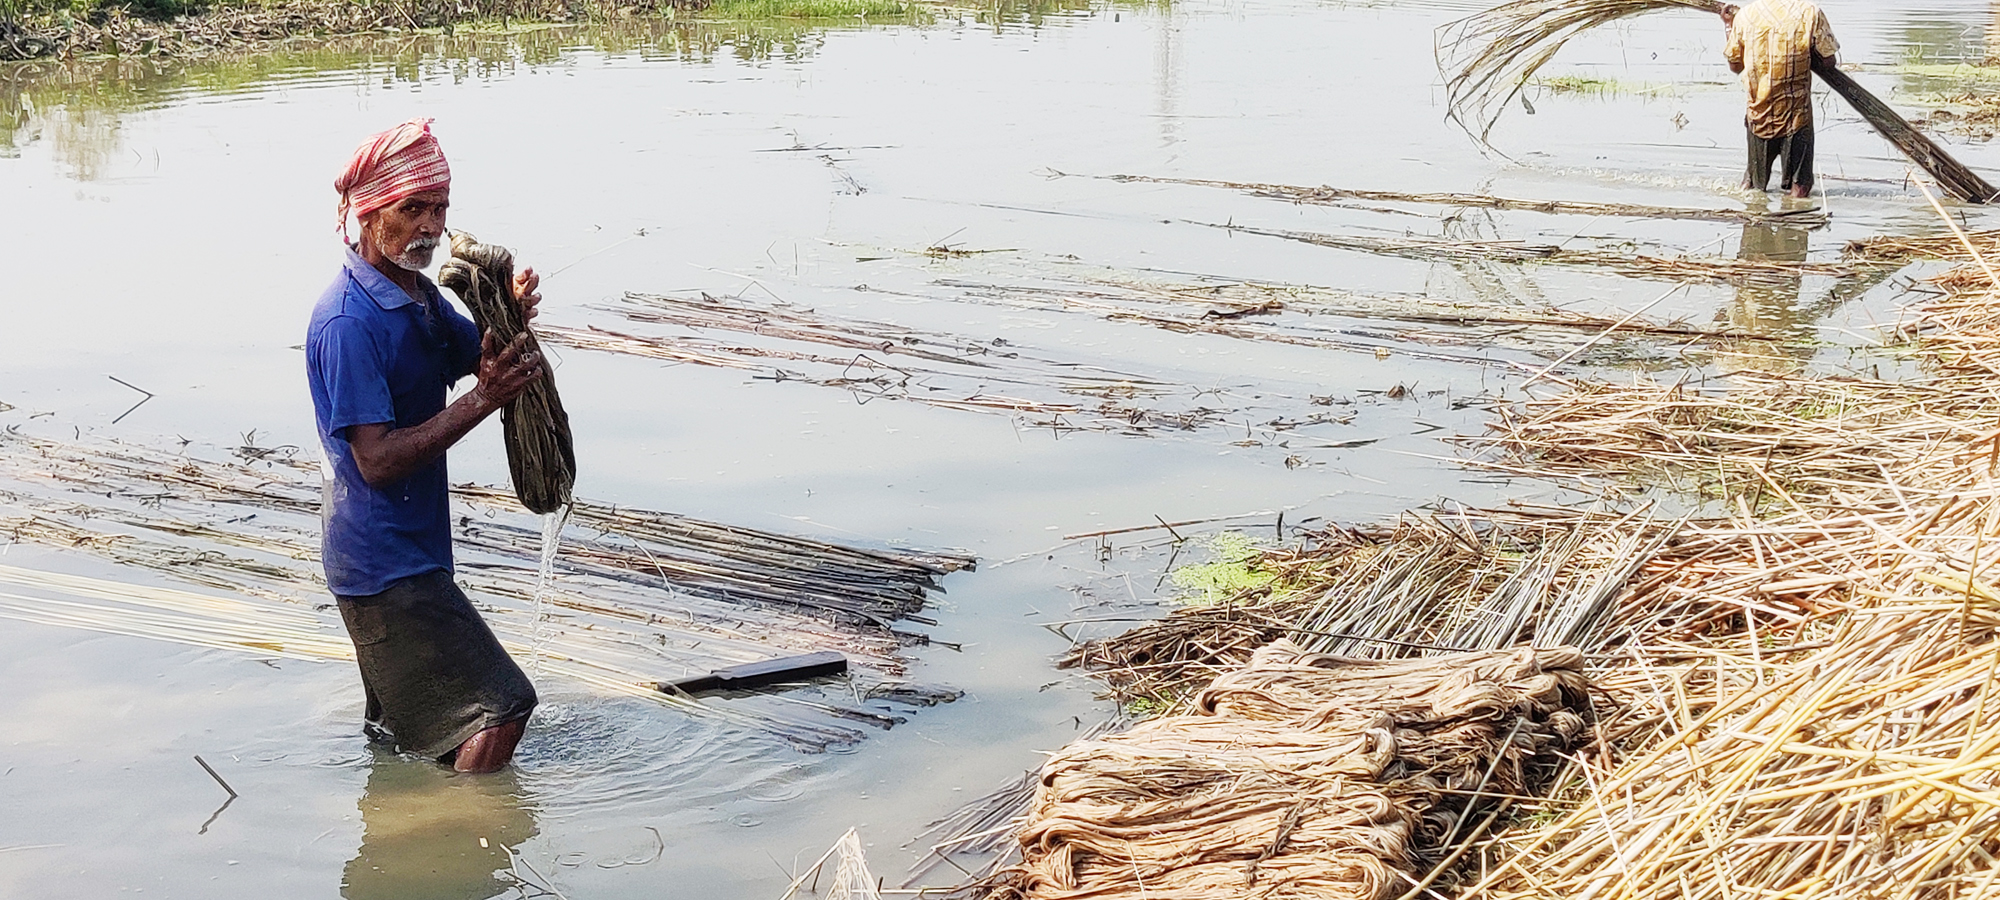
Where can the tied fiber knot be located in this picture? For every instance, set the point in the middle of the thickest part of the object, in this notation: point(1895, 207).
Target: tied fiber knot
point(540, 455)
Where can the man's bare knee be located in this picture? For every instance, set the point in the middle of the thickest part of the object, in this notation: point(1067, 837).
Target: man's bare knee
point(491, 749)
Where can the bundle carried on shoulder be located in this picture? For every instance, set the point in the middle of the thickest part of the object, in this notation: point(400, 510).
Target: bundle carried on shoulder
point(540, 455)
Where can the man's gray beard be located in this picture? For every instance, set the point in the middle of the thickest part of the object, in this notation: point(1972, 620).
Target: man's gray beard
point(416, 256)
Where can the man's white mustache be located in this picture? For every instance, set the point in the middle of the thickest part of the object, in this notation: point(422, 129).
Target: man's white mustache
point(421, 244)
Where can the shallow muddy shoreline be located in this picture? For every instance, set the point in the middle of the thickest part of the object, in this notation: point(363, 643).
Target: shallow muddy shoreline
point(246, 28)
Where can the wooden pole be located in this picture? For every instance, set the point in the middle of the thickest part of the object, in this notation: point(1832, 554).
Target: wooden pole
point(1952, 175)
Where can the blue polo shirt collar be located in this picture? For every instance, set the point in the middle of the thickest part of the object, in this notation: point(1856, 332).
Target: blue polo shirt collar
point(376, 285)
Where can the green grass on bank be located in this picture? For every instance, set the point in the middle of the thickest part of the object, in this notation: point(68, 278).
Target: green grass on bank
point(456, 10)
point(467, 13)
point(1961, 74)
point(810, 9)
point(480, 9)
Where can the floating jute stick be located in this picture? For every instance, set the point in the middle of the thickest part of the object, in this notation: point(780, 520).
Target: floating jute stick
point(540, 456)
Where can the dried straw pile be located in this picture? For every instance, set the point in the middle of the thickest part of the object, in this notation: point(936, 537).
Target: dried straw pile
point(1467, 580)
point(1865, 768)
point(1797, 443)
point(539, 453)
point(1796, 690)
point(1299, 775)
point(1960, 328)
point(1835, 734)
point(1899, 249)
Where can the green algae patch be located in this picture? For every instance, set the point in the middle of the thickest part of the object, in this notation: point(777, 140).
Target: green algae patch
point(1580, 84)
point(1235, 568)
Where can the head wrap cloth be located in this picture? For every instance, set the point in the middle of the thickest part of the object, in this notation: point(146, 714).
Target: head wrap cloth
point(392, 165)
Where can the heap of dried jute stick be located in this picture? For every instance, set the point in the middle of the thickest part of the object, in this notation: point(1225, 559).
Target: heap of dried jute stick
point(1301, 775)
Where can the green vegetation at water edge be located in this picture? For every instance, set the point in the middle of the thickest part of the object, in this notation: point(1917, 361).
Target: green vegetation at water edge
point(810, 9)
point(1594, 86)
point(1578, 84)
point(1959, 72)
point(478, 10)
point(1232, 570)
point(418, 12)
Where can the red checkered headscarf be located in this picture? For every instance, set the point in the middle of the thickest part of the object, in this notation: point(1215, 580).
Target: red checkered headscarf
point(392, 165)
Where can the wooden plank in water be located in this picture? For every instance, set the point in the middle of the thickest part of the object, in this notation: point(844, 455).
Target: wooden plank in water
point(1951, 174)
point(761, 673)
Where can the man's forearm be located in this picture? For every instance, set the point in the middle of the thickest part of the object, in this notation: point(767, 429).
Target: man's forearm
point(386, 456)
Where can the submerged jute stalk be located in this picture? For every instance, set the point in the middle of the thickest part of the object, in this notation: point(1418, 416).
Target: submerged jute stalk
point(540, 456)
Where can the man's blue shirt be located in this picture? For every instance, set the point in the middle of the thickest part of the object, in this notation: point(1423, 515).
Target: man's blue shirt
point(375, 355)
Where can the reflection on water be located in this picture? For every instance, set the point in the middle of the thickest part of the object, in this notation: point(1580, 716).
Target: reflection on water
point(1167, 63)
point(1768, 309)
point(1937, 39)
point(952, 128)
point(75, 105)
point(599, 754)
point(433, 834)
point(1005, 14)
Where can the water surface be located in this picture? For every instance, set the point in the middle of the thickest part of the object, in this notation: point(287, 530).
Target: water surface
point(170, 226)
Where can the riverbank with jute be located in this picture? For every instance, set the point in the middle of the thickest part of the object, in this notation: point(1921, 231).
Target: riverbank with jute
point(174, 29)
point(1791, 678)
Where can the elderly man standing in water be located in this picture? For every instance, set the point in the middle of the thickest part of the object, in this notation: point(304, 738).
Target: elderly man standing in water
point(382, 349)
point(1771, 43)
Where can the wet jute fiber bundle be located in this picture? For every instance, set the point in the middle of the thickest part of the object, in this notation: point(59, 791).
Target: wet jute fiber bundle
point(1299, 775)
point(540, 457)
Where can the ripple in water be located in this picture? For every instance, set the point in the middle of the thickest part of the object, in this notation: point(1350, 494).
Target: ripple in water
point(586, 754)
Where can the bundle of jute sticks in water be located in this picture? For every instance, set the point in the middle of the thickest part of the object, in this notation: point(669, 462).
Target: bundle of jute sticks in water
point(648, 597)
point(540, 455)
point(1489, 58)
point(1300, 775)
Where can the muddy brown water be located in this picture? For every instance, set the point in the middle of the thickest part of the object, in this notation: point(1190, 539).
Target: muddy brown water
point(172, 228)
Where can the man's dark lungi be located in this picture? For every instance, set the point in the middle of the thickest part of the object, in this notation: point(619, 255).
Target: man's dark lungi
point(433, 672)
point(1796, 152)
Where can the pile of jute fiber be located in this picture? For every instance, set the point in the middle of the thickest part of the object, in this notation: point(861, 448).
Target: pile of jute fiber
point(1301, 775)
point(539, 453)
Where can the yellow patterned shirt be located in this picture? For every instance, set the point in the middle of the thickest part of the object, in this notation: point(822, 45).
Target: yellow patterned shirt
point(1774, 41)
